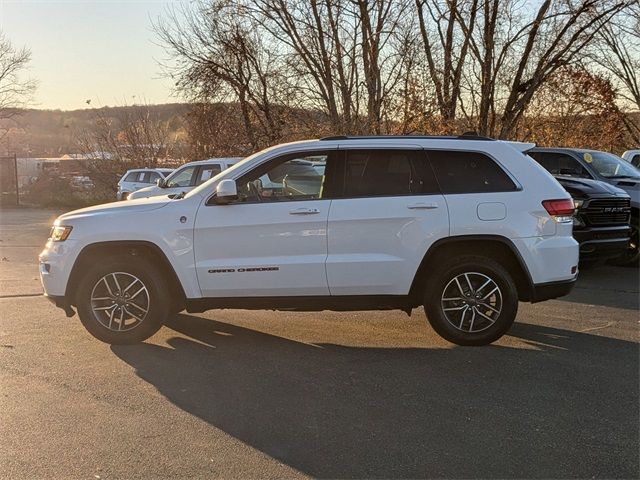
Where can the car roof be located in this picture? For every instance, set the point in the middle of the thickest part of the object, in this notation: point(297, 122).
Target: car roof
point(395, 141)
point(149, 169)
point(212, 160)
point(567, 149)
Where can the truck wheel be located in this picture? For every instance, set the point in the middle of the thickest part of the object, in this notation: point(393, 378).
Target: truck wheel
point(471, 300)
point(123, 300)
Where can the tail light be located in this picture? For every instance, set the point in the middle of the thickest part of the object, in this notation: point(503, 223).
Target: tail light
point(561, 210)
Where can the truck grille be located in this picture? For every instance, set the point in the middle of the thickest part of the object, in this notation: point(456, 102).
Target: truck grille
point(607, 211)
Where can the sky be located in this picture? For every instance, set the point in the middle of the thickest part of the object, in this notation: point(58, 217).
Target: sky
point(98, 50)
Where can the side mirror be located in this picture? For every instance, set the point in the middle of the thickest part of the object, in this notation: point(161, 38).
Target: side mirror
point(160, 182)
point(226, 192)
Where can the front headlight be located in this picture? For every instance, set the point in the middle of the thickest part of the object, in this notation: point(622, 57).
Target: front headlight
point(578, 203)
point(59, 233)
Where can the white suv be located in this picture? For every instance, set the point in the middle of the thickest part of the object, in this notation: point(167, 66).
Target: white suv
point(633, 157)
point(186, 178)
point(465, 226)
point(139, 178)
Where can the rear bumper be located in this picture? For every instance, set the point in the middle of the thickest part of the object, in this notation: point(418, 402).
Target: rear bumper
point(61, 302)
point(547, 291)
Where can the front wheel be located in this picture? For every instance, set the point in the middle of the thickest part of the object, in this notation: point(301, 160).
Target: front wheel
point(471, 300)
point(123, 300)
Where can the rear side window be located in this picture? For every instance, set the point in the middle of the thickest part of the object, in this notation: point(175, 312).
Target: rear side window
point(469, 172)
point(379, 173)
point(635, 160)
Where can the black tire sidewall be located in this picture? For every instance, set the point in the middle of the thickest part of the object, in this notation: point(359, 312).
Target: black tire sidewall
point(150, 276)
point(445, 273)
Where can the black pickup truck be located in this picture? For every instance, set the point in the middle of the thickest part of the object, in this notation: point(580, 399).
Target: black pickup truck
point(601, 221)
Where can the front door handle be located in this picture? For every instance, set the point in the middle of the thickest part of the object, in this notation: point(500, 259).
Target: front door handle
point(423, 206)
point(304, 211)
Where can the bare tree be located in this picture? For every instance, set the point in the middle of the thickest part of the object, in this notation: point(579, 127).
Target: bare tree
point(445, 48)
point(618, 52)
point(574, 108)
point(375, 66)
point(515, 53)
point(219, 55)
point(16, 90)
point(129, 137)
point(349, 54)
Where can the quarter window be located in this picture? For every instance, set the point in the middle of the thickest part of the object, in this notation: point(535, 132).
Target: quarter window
point(468, 172)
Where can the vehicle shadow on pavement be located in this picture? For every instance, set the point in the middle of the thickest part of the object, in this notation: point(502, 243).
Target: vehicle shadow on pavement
point(548, 410)
point(608, 286)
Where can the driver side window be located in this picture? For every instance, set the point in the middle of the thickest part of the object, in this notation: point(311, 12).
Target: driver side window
point(289, 178)
point(182, 178)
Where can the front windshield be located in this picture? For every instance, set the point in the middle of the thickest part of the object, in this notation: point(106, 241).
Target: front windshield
point(610, 166)
point(232, 168)
point(180, 178)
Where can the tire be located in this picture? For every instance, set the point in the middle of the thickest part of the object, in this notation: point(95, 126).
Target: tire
point(461, 323)
point(96, 301)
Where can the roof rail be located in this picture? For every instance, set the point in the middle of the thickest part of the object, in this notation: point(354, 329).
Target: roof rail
point(464, 136)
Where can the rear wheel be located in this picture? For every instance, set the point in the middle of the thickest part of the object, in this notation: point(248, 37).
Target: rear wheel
point(123, 300)
point(471, 300)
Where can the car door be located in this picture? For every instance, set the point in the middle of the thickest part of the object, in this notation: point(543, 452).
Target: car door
point(273, 240)
point(479, 192)
point(139, 181)
point(386, 214)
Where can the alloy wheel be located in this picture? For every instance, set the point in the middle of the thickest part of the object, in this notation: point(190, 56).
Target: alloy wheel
point(120, 301)
point(471, 302)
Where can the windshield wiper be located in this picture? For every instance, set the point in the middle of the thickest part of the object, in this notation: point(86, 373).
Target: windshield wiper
point(616, 177)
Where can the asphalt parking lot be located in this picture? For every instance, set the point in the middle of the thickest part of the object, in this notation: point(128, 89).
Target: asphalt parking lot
point(334, 395)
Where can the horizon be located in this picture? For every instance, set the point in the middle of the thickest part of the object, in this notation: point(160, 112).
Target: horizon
point(108, 58)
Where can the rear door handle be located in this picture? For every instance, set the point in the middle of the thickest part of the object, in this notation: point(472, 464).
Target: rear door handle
point(304, 211)
point(423, 206)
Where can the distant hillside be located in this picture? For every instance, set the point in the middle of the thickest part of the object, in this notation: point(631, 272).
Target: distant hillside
point(51, 133)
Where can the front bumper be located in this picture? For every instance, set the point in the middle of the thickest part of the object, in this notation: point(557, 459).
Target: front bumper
point(602, 242)
point(61, 302)
point(547, 291)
